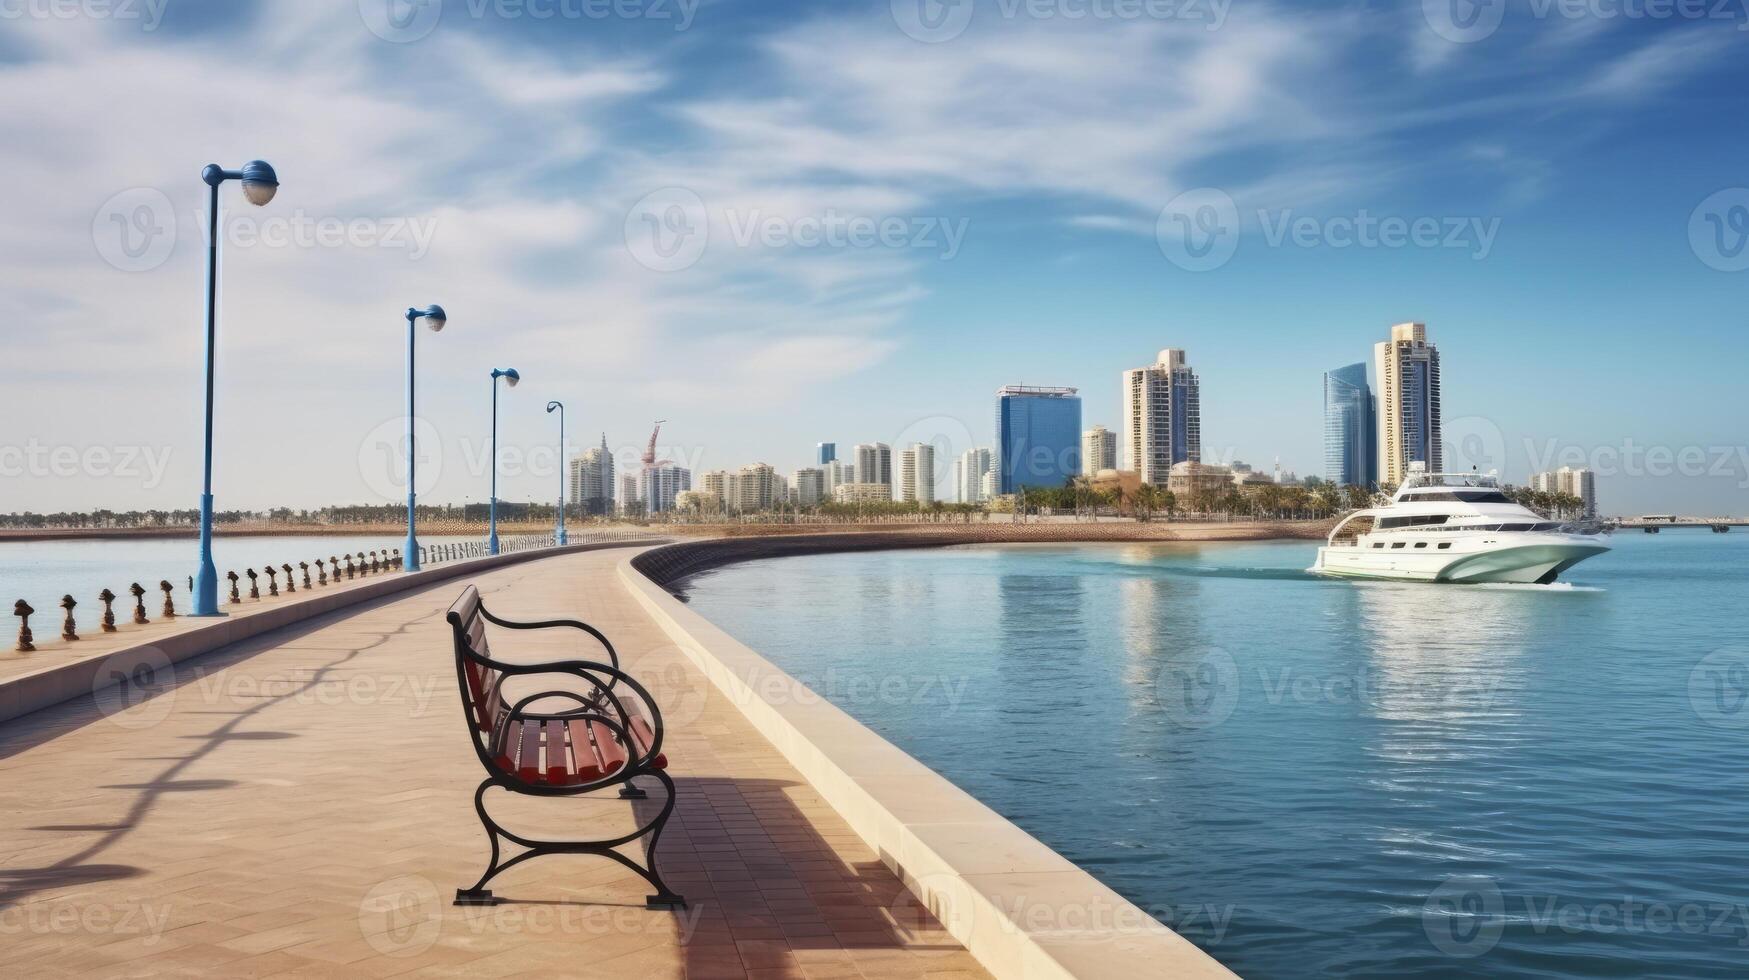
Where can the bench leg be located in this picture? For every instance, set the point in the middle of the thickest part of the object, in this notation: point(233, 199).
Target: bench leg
point(480, 894)
point(665, 897)
point(631, 792)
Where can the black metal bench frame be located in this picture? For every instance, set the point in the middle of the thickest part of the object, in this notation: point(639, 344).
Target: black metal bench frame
point(598, 704)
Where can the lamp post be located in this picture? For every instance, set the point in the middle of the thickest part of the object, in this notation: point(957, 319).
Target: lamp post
point(511, 378)
point(559, 535)
point(260, 183)
point(434, 318)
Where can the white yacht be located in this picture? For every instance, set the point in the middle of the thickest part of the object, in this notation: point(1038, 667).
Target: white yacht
point(1444, 527)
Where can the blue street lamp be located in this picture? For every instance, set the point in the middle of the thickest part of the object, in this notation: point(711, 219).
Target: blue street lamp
point(559, 535)
point(434, 318)
point(259, 185)
point(511, 378)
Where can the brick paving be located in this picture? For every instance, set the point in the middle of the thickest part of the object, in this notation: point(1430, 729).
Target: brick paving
point(300, 805)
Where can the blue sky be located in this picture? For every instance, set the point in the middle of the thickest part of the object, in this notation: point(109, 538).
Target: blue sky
point(1009, 165)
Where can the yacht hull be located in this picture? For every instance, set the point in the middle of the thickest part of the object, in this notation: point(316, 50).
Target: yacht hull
point(1538, 561)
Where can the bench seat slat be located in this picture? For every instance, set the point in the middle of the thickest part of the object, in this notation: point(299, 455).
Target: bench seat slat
point(528, 760)
point(559, 769)
point(511, 744)
point(588, 765)
point(613, 755)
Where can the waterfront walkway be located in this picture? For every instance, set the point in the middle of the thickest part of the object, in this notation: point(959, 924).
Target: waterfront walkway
point(300, 804)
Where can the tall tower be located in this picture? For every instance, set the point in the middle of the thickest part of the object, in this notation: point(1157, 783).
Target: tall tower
point(874, 463)
point(1098, 450)
point(1350, 425)
point(917, 473)
point(1409, 431)
point(1162, 417)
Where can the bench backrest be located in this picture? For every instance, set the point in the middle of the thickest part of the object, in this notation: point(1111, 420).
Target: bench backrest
point(474, 658)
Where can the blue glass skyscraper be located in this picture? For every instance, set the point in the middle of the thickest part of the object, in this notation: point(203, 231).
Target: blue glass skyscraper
point(1350, 421)
point(1038, 437)
point(828, 452)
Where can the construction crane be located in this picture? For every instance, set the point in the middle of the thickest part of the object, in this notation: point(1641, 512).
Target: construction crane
point(650, 460)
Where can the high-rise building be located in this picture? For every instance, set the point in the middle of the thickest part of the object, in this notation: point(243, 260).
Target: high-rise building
point(1350, 422)
point(592, 479)
point(1038, 437)
point(1162, 417)
point(828, 451)
point(757, 488)
point(839, 472)
point(714, 486)
point(660, 484)
point(1407, 368)
point(917, 473)
point(1578, 482)
point(874, 464)
point(971, 476)
point(628, 492)
point(1098, 450)
point(810, 486)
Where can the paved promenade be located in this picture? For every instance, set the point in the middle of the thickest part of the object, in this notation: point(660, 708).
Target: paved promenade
point(300, 804)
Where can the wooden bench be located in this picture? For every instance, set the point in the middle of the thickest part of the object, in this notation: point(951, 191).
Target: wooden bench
point(600, 731)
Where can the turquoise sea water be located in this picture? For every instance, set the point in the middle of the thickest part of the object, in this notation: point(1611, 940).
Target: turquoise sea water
point(1323, 778)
